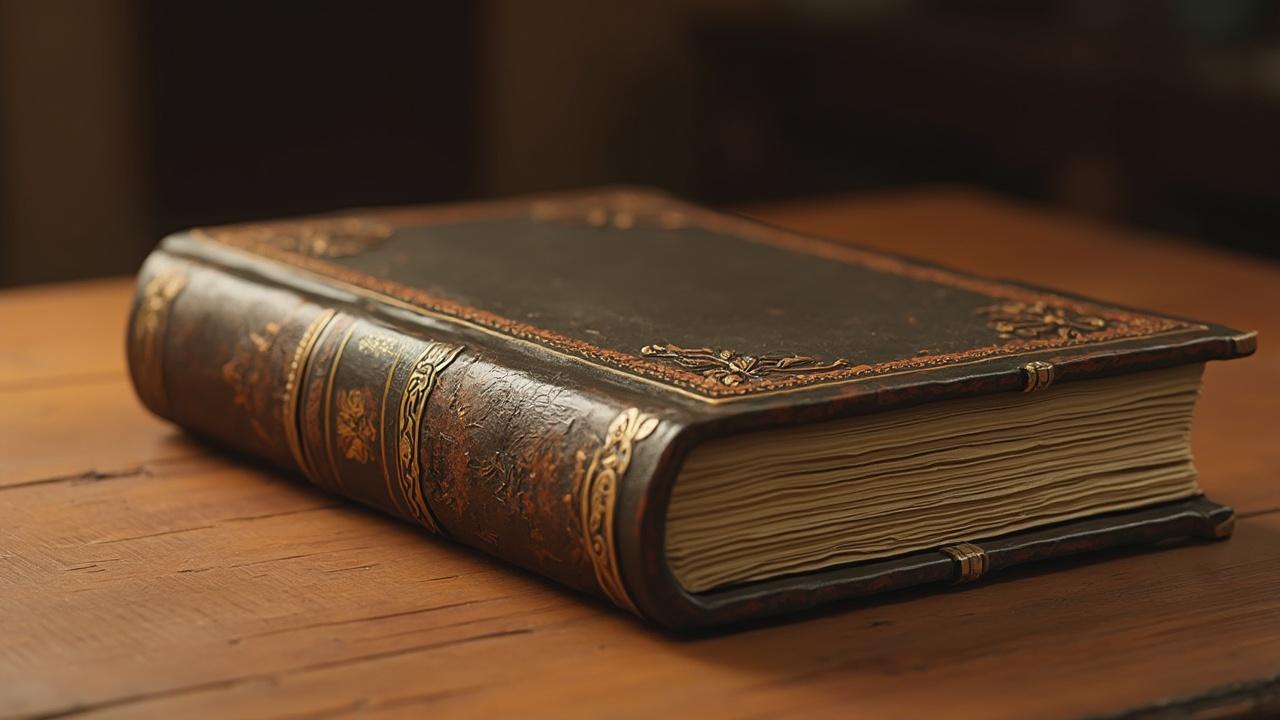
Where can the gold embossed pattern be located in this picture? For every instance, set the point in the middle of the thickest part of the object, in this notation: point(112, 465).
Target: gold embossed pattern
point(292, 387)
point(148, 333)
point(355, 430)
point(1038, 320)
point(599, 494)
point(621, 211)
point(1018, 328)
point(413, 406)
point(729, 367)
point(246, 370)
point(320, 237)
point(377, 345)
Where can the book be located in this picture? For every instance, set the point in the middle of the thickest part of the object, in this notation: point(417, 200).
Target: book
point(698, 417)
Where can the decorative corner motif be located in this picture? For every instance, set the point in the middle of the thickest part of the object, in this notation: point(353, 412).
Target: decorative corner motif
point(623, 211)
point(413, 406)
point(1039, 375)
point(599, 494)
point(971, 561)
point(356, 433)
point(319, 238)
point(729, 367)
point(148, 333)
point(1015, 320)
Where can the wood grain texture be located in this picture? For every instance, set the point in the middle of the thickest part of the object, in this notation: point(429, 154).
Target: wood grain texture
point(63, 334)
point(143, 574)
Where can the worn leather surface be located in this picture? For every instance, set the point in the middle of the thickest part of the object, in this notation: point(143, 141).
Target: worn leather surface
point(471, 369)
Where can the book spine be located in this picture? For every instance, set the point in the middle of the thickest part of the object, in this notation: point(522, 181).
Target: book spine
point(431, 425)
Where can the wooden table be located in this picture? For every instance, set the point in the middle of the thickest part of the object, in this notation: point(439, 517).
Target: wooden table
point(144, 574)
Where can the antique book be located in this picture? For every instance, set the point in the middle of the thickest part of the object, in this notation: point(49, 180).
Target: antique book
point(698, 417)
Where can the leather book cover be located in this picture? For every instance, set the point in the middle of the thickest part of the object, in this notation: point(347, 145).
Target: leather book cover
point(527, 376)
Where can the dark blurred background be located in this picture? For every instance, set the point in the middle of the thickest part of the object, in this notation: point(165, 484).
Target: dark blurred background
point(121, 120)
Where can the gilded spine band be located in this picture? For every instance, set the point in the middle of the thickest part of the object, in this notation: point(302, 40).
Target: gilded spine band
point(151, 318)
point(362, 414)
point(599, 496)
point(293, 381)
point(413, 404)
point(471, 445)
point(329, 402)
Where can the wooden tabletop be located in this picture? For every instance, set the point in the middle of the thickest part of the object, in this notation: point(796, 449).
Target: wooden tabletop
point(142, 573)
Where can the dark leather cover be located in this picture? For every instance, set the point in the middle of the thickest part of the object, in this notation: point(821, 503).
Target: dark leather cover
point(527, 376)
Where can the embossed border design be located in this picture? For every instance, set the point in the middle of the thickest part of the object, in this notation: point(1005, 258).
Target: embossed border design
point(730, 367)
point(1122, 324)
point(331, 237)
point(148, 333)
point(413, 406)
point(599, 494)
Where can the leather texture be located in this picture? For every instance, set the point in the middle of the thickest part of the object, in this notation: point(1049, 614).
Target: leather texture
point(527, 376)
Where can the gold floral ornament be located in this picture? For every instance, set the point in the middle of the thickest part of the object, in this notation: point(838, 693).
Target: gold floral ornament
point(729, 367)
point(599, 496)
point(621, 210)
point(1032, 321)
point(356, 433)
point(248, 364)
point(320, 237)
point(247, 373)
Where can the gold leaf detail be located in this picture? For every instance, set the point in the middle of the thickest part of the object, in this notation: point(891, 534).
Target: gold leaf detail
point(293, 388)
point(599, 496)
point(413, 406)
point(620, 210)
point(729, 367)
point(248, 365)
point(247, 374)
point(320, 237)
point(1015, 320)
point(377, 345)
point(356, 433)
point(148, 333)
